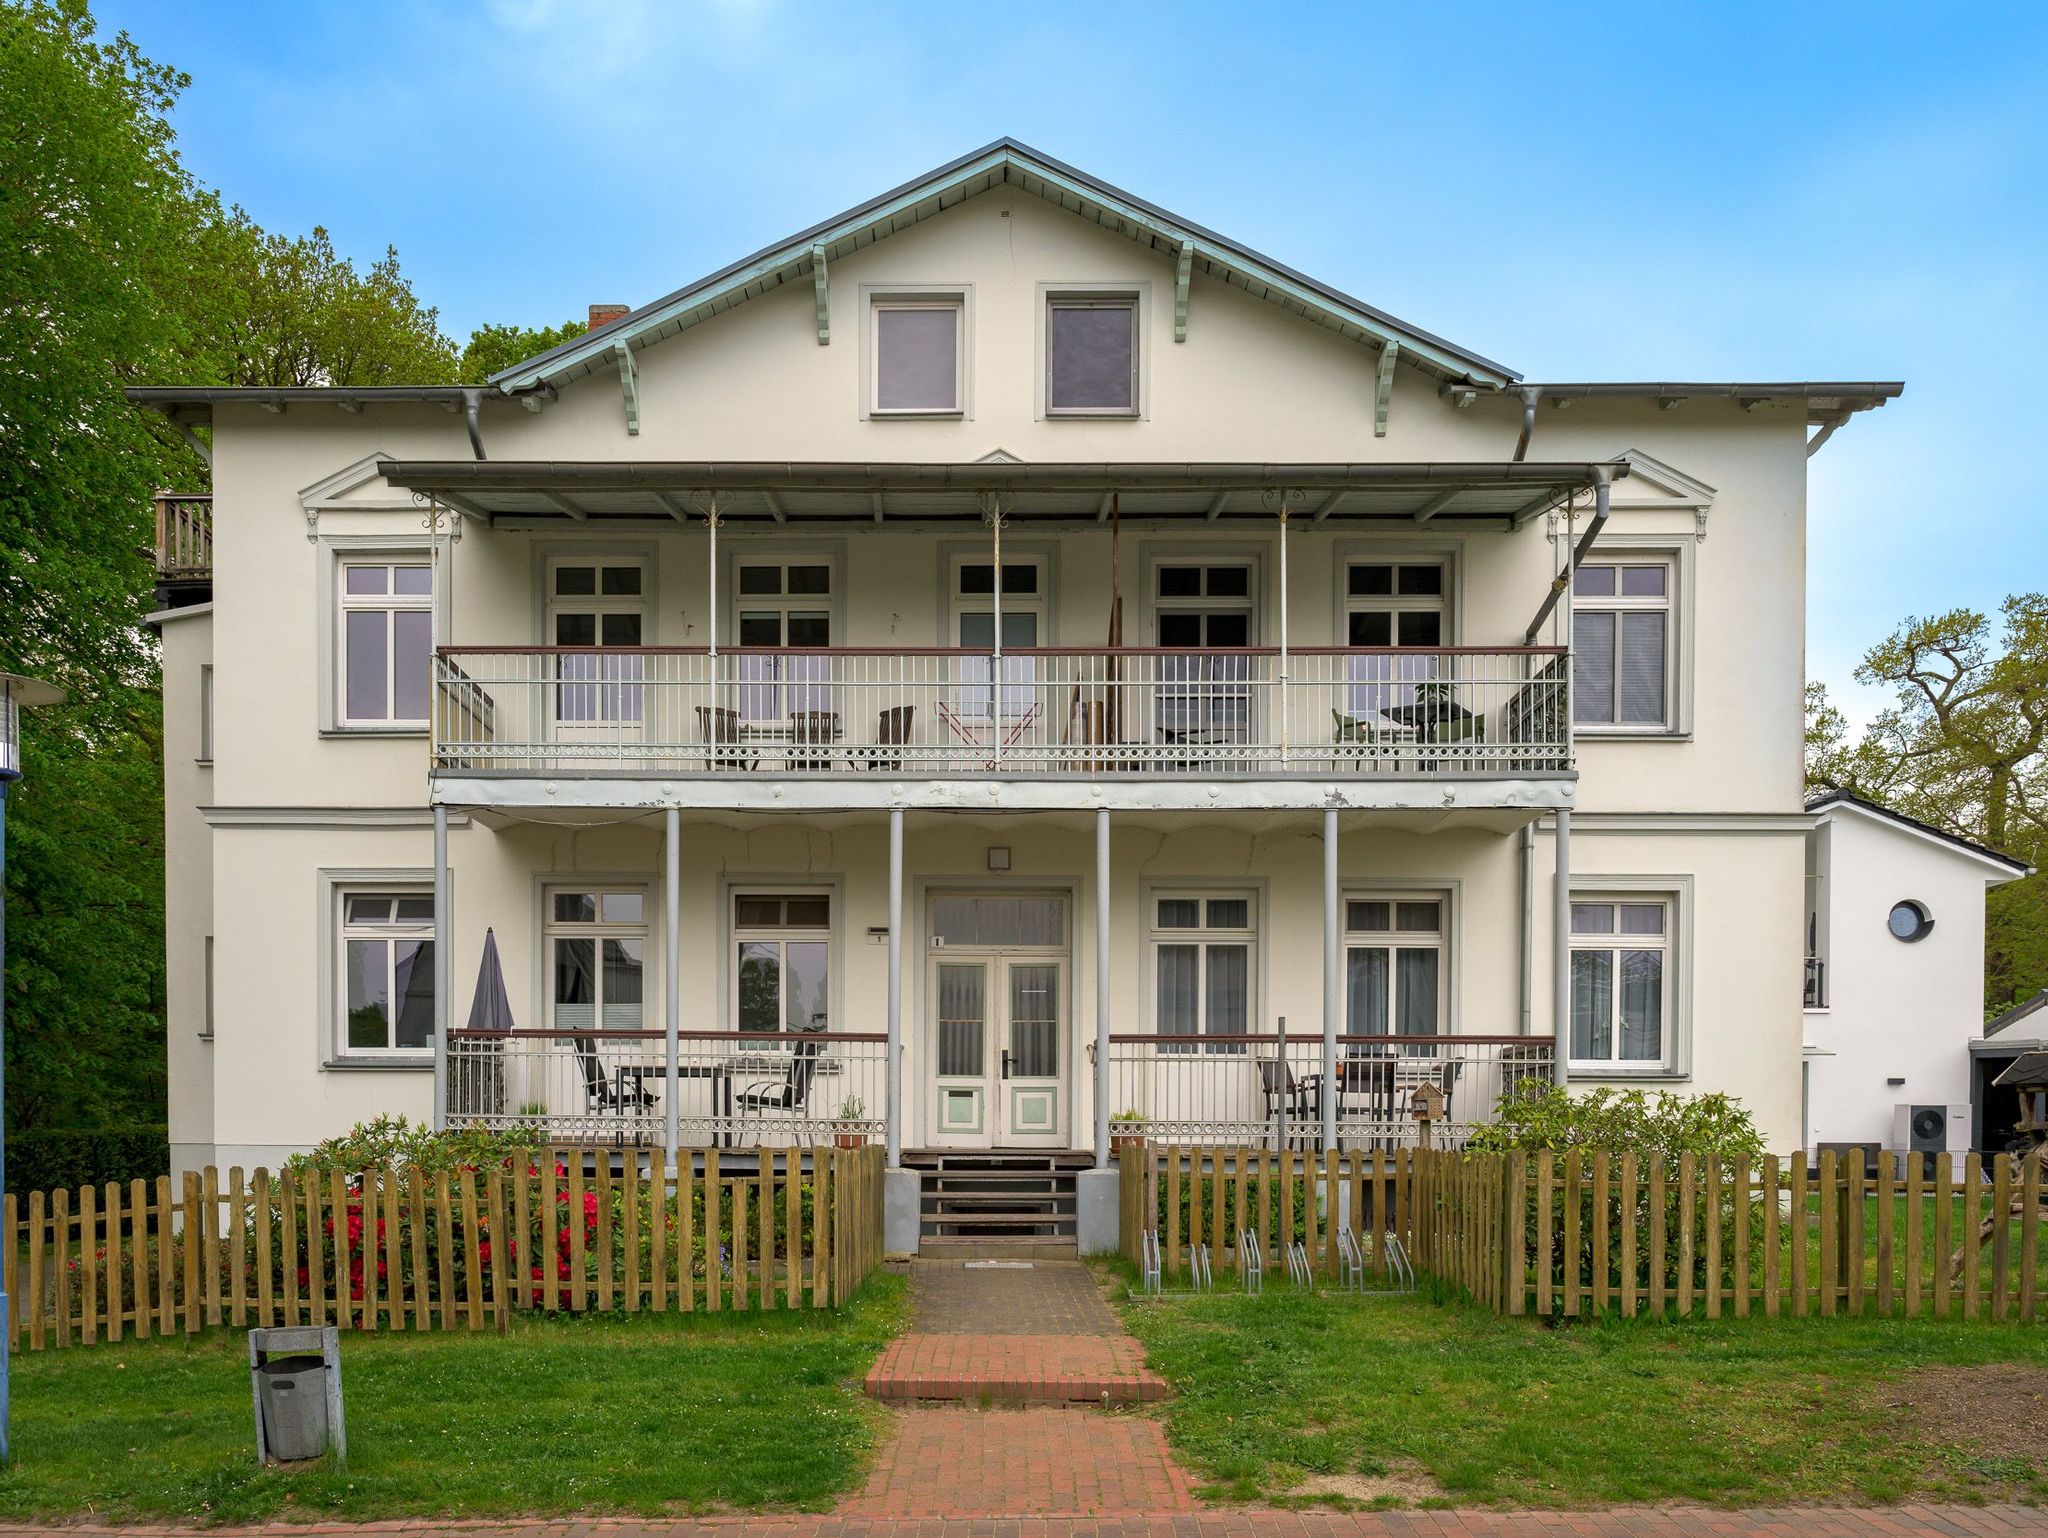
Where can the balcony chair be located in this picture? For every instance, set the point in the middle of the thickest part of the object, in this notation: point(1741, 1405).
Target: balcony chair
point(719, 726)
point(624, 1090)
point(1365, 1092)
point(1302, 1098)
point(892, 733)
point(811, 728)
point(790, 1093)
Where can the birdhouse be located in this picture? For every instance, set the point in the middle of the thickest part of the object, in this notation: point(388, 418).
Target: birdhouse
point(1427, 1103)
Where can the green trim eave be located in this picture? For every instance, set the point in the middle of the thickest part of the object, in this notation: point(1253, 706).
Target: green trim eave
point(952, 184)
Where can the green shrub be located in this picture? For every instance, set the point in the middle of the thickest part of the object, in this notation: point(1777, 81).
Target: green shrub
point(1539, 1116)
point(86, 1156)
point(405, 1146)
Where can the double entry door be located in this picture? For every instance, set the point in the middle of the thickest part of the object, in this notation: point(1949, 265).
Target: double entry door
point(998, 992)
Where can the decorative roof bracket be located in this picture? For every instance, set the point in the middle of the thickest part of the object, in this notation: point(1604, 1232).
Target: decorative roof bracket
point(629, 386)
point(1383, 393)
point(1183, 270)
point(820, 283)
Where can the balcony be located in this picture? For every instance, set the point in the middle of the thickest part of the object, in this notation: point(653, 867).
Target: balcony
point(1453, 714)
point(184, 536)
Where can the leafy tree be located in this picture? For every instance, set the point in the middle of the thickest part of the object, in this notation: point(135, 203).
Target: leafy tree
point(1963, 746)
point(492, 348)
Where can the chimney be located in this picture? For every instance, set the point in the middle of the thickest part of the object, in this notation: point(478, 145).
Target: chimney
point(605, 314)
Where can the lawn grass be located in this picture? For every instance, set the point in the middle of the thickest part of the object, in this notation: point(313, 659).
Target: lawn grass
point(644, 1415)
point(1274, 1391)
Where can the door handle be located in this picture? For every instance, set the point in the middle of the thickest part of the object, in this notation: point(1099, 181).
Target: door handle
point(1006, 1062)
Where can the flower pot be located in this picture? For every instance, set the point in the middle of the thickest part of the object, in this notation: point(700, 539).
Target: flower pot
point(849, 1140)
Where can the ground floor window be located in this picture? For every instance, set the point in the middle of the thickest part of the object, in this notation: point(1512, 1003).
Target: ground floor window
point(597, 959)
point(387, 972)
point(1394, 965)
point(1620, 982)
point(782, 974)
point(1202, 945)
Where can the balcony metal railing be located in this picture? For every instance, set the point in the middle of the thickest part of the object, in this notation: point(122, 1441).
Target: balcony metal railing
point(1264, 1090)
point(735, 1089)
point(1816, 982)
point(184, 535)
point(943, 713)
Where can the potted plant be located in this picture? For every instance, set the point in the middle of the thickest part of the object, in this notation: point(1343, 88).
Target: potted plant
point(1123, 1130)
point(849, 1127)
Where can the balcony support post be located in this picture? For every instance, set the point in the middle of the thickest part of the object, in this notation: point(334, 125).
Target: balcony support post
point(711, 520)
point(1561, 950)
point(1332, 955)
point(1282, 712)
point(444, 936)
point(671, 967)
point(1102, 987)
point(892, 1070)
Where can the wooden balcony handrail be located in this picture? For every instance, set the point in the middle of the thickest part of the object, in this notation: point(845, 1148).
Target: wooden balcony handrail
point(1008, 651)
point(1313, 1038)
point(600, 1033)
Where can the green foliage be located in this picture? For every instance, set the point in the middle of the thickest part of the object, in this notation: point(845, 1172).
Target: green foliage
point(90, 1156)
point(492, 349)
point(1539, 1116)
point(393, 1142)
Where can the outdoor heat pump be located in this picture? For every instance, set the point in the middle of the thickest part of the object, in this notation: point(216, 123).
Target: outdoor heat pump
point(1930, 1129)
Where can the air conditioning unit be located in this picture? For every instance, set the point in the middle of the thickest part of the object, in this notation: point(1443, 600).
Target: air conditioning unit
point(1931, 1129)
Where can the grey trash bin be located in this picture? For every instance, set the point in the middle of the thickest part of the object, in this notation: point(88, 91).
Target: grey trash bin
point(294, 1395)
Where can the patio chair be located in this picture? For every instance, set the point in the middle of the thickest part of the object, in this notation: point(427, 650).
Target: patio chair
point(811, 728)
point(719, 726)
point(789, 1093)
point(617, 1095)
point(892, 731)
point(1365, 1092)
point(1302, 1099)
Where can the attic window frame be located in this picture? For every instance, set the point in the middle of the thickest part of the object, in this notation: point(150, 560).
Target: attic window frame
point(1088, 299)
point(953, 298)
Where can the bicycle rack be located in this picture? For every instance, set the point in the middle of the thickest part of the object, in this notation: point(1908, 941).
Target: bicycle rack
point(1199, 1275)
point(1399, 1270)
point(1350, 1261)
point(1297, 1265)
point(1251, 1262)
point(1148, 1263)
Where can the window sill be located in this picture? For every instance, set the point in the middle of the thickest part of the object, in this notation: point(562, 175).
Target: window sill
point(378, 1065)
point(1592, 1071)
point(1629, 734)
point(374, 731)
point(1118, 415)
point(948, 414)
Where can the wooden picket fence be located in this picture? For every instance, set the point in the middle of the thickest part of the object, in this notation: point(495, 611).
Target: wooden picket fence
point(390, 1249)
point(1580, 1235)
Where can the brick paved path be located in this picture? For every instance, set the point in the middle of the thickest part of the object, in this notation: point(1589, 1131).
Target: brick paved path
point(1022, 1463)
point(1622, 1522)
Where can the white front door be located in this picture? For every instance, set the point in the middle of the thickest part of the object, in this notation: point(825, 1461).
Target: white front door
point(998, 988)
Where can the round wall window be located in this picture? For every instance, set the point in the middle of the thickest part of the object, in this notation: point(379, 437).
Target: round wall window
point(1909, 921)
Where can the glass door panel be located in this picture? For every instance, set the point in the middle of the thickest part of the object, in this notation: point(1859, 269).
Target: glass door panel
point(962, 1066)
point(1031, 1061)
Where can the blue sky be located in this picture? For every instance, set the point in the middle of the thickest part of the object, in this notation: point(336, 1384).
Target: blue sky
point(1700, 191)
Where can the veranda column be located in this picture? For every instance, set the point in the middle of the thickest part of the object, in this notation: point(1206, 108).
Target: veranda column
point(1331, 997)
point(444, 939)
point(672, 970)
point(1561, 949)
point(892, 1068)
point(1101, 987)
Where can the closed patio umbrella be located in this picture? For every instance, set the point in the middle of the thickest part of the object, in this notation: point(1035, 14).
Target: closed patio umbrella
point(477, 1080)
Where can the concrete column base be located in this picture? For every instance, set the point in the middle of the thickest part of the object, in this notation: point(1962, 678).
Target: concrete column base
point(901, 1189)
point(1098, 1211)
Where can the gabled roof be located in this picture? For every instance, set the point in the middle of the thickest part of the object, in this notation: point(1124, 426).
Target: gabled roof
point(2008, 867)
point(1005, 162)
point(2021, 1011)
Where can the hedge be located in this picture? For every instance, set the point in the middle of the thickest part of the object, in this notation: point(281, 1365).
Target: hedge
point(76, 1156)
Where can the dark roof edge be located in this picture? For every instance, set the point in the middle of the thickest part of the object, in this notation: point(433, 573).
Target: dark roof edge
point(1844, 797)
point(2017, 1013)
point(1872, 392)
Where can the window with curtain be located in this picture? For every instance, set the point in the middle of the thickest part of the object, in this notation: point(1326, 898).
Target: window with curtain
point(1620, 982)
point(786, 604)
point(592, 604)
point(1393, 604)
point(1394, 967)
point(387, 641)
point(387, 973)
point(1621, 643)
point(1026, 581)
point(1203, 612)
point(597, 957)
point(1091, 355)
point(916, 349)
point(782, 971)
point(1202, 947)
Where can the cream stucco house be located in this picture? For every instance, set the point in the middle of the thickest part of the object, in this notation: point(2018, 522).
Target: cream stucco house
point(971, 672)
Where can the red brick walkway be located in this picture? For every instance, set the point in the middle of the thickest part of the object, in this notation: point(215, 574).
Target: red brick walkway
point(1015, 1369)
point(1622, 1522)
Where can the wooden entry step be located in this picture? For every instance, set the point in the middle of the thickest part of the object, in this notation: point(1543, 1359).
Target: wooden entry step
point(1018, 1200)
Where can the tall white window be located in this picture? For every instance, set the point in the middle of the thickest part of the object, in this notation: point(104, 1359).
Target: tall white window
point(1201, 609)
point(1393, 604)
point(387, 641)
point(597, 959)
point(917, 353)
point(1202, 946)
point(386, 998)
point(1394, 966)
point(1621, 643)
point(1620, 982)
point(597, 603)
point(1025, 584)
point(1091, 355)
point(785, 604)
point(782, 976)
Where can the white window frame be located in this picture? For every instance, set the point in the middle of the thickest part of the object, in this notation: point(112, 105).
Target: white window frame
point(390, 604)
point(598, 930)
point(1136, 290)
point(738, 934)
point(1673, 944)
point(1442, 603)
point(1202, 937)
point(1092, 299)
point(206, 982)
point(205, 755)
point(615, 686)
point(957, 297)
point(344, 932)
point(1677, 607)
point(1438, 940)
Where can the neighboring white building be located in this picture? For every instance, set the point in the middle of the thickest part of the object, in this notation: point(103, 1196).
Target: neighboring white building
point(710, 655)
point(1894, 977)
